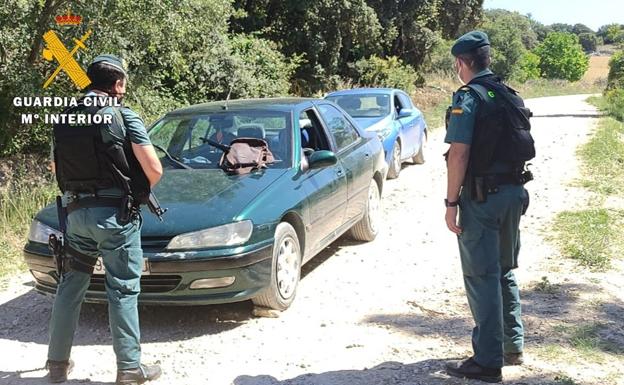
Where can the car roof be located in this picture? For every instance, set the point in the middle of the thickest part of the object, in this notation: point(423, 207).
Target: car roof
point(358, 91)
point(273, 104)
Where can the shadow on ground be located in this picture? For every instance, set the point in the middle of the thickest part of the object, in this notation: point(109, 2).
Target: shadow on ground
point(25, 318)
point(427, 372)
point(28, 377)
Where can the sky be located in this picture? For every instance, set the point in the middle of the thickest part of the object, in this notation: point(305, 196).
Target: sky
point(592, 13)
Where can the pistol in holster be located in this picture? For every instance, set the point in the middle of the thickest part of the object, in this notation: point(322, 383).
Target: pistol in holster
point(57, 247)
point(481, 186)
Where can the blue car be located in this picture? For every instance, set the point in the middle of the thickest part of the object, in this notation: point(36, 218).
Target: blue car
point(391, 114)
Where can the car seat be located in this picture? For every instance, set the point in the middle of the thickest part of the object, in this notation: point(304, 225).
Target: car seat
point(251, 130)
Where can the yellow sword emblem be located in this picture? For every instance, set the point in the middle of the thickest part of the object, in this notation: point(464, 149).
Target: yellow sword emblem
point(56, 50)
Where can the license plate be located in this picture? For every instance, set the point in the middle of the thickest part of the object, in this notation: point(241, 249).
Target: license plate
point(99, 267)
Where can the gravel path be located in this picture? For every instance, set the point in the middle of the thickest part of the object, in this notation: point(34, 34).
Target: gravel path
point(386, 312)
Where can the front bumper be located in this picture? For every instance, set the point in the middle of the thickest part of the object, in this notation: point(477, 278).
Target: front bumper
point(169, 281)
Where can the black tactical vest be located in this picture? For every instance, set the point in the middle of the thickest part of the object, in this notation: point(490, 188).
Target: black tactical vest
point(502, 128)
point(85, 163)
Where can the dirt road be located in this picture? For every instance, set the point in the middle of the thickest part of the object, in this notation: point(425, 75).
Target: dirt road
point(387, 312)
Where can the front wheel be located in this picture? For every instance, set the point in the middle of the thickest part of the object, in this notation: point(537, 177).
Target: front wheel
point(285, 270)
point(395, 162)
point(368, 227)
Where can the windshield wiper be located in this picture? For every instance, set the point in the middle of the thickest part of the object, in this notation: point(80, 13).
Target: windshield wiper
point(175, 160)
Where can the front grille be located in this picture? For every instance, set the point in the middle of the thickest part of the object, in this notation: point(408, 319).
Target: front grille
point(149, 283)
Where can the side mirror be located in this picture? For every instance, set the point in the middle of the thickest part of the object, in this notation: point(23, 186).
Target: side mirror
point(322, 158)
point(405, 112)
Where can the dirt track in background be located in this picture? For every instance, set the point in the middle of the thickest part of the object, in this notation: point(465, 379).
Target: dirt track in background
point(387, 312)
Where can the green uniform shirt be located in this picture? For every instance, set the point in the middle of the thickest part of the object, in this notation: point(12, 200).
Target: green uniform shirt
point(463, 114)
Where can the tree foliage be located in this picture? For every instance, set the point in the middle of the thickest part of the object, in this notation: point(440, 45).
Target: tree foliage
point(510, 35)
point(616, 71)
point(589, 41)
point(562, 57)
point(390, 72)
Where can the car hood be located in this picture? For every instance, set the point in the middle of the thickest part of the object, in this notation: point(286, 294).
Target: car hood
point(374, 124)
point(195, 199)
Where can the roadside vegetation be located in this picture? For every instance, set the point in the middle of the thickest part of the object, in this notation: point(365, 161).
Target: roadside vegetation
point(593, 236)
point(270, 48)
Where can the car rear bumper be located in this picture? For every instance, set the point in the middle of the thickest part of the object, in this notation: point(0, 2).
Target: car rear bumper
point(169, 282)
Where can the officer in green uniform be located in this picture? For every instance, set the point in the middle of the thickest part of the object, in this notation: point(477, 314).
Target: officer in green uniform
point(487, 229)
point(98, 225)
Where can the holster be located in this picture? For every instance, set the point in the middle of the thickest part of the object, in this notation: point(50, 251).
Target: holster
point(58, 250)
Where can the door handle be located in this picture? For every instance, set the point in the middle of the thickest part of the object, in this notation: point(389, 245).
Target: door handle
point(339, 172)
point(367, 155)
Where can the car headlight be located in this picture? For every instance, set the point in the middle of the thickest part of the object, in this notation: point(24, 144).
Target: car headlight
point(40, 233)
point(231, 234)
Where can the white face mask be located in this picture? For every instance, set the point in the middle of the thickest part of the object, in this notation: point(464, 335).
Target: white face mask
point(458, 69)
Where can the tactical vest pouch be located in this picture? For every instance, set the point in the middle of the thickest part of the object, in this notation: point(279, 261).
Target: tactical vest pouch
point(245, 155)
point(79, 167)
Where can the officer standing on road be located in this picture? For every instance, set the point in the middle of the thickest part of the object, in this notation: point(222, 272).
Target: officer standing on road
point(102, 222)
point(486, 174)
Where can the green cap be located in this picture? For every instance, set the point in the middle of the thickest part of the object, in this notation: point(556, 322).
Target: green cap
point(470, 41)
point(112, 61)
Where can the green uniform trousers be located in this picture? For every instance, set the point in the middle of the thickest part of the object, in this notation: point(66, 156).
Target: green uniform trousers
point(97, 232)
point(489, 247)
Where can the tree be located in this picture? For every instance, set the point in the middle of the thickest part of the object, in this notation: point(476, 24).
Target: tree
point(528, 67)
point(579, 28)
point(508, 33)
point(589, 41)
point(611, 33)
point(562, 57)
point(562, 27)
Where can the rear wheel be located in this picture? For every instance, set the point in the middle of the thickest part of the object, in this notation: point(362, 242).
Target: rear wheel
point(368, 227)
point(285, 270)
point(395, 162)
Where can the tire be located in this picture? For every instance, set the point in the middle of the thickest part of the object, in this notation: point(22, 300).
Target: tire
point(285, 270)
point(368, 227)
point(395, 162)
point(419, 158)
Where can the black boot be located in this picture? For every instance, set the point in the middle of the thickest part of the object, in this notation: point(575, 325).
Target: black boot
point(512, 359)
point(59, 370)
point(138, 375)
point(470, 369)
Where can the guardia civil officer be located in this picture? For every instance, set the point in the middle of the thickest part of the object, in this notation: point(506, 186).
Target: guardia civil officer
point(489, 138)
point(94, 166)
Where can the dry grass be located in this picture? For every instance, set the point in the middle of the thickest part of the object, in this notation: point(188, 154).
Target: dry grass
point(598, 69)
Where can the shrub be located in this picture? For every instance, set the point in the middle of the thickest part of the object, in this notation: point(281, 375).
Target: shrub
point(528, 67)
point(615, 103)
point(390, 72)
point(589, 41)
point(507, 32)
point(562, 57)
point(616, 71)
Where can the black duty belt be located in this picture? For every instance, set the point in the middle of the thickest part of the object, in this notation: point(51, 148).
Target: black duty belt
point(501, 179)
point(85, 202)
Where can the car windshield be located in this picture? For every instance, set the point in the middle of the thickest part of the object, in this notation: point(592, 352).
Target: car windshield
point(185, 138)
point(363, 105)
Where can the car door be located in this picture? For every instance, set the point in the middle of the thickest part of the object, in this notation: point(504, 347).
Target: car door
point(409, 129)
point(355, 156)
point(325, 188)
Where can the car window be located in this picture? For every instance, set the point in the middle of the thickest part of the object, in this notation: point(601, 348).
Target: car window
point(187, 137)
point(363, 105)
point(340, 128)
point(312, 133)
point(406, 102)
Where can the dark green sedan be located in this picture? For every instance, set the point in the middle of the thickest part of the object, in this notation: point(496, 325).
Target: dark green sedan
point(228, 238)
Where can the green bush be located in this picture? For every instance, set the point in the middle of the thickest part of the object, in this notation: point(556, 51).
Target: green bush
point(616, 71)
point(440, 59)
point(390, 72)
point(528, 67)
point(615, 103)
point(589, 41)
point(562, 57)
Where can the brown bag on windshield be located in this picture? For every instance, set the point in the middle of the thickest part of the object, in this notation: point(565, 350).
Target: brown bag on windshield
point(246, 155)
